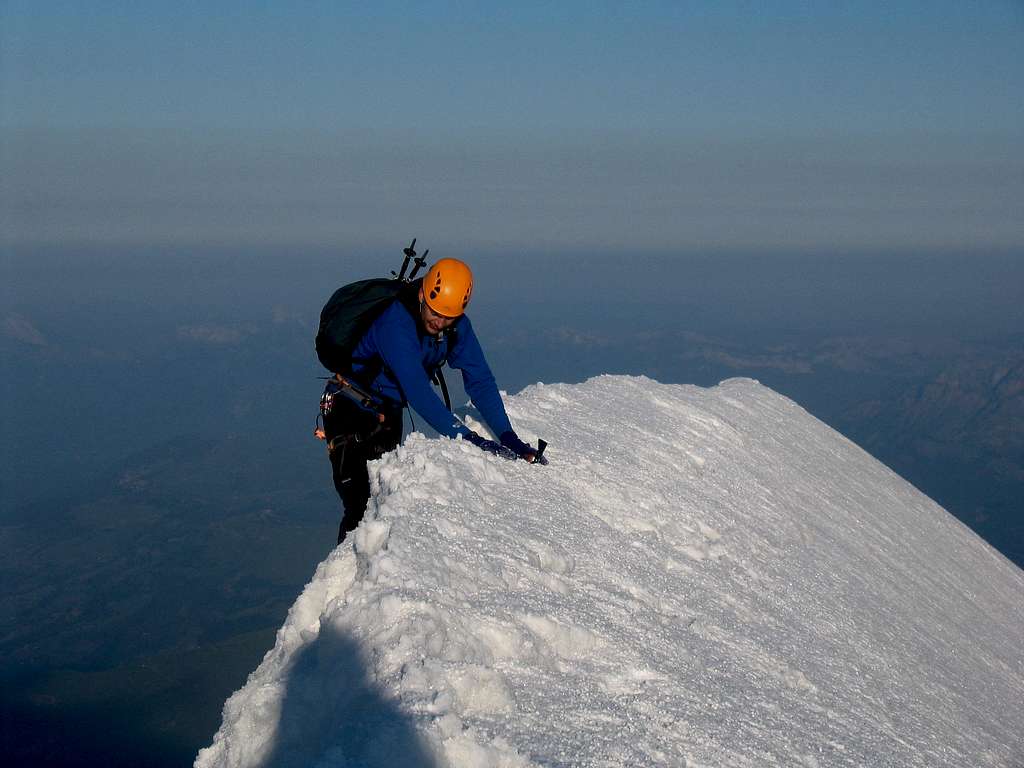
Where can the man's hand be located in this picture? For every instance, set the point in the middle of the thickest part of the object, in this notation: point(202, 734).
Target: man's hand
point(490, 446)
point(526, 452)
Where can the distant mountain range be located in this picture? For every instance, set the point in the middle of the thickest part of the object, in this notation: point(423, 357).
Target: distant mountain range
point(960, 437)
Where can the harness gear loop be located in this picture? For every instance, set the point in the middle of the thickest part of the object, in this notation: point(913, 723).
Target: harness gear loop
point(336, 385)
point(354, 392)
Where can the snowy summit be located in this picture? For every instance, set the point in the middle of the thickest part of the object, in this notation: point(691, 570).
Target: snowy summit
point(701, 577)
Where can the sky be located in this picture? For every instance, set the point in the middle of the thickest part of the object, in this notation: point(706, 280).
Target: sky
point(652, 126)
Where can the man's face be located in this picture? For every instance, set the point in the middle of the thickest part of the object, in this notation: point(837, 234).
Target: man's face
point(433, 322)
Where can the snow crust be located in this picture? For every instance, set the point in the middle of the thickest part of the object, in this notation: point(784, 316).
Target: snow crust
point(701, 577)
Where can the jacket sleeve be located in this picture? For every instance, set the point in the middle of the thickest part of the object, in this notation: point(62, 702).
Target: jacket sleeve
point(477, 378)
point(398, 346)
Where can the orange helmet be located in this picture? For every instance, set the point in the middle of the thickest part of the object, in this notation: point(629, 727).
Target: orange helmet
point(447, 287)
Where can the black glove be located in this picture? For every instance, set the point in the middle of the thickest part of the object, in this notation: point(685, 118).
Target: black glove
point(524, 451)
point(490, 446)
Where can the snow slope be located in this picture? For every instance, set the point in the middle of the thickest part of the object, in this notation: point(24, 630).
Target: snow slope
point(701, 577)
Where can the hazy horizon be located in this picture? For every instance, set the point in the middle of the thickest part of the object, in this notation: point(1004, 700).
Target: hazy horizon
point(704, 126)
point(137, 322)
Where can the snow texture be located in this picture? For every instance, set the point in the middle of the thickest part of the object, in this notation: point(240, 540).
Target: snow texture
point(701, 577)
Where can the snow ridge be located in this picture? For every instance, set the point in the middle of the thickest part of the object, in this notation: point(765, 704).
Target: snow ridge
point(701, 577)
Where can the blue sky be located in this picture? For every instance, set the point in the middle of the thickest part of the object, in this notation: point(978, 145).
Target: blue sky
point(540, 126)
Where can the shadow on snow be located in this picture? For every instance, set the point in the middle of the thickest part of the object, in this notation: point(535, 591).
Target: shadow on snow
point(332, 714)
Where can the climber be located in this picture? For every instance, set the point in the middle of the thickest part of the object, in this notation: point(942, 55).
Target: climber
point(392, 365)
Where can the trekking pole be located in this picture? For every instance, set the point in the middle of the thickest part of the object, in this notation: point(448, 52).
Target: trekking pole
point(410, 253)
point(418, 263)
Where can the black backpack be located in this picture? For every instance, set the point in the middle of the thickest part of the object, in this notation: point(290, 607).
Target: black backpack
point(348, 315)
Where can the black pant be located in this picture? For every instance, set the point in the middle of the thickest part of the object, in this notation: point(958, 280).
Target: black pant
point(354, 437)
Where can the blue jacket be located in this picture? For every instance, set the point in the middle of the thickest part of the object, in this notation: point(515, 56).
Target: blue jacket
point(409, 356)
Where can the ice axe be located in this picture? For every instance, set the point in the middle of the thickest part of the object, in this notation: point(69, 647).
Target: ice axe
point(538, 457)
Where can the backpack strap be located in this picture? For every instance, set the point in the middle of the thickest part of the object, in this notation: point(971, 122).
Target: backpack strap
point(439, 380)
point(372, 366)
